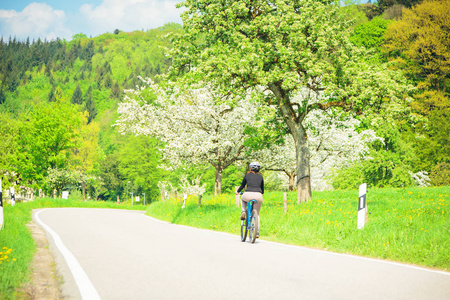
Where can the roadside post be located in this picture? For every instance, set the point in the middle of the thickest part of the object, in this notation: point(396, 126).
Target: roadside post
point(184, 200)
point(238, 197)
point(285, 202)
point(132, 198)
point(144, 198)
point(127, 191)
point(1, 205)
point(13, 196)
point(362, 207)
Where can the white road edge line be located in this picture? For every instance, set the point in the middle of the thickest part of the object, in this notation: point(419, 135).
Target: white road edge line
point(316, 250)
point(85, 286)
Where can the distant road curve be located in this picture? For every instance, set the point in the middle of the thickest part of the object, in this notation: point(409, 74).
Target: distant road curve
point(127, 255)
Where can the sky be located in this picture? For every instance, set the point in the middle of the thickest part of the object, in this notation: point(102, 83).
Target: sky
point(51, 19)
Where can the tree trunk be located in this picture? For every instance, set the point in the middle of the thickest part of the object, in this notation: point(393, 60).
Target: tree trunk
point(303, 168)
point(218, 182)
point(294, 119)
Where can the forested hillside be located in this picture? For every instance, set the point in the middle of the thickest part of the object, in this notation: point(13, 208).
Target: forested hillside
point(59, 99)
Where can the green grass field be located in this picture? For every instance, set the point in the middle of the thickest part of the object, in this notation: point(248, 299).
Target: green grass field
point(17, 246)
point(409, 225)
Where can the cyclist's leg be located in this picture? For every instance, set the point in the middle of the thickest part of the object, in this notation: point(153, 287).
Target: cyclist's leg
point(259, 198)
point(243, 207)
point(257, 207)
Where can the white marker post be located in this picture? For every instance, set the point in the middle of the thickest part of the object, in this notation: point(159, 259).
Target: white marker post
point(184, 200)
point(13, 196)
point(362, 206)
point(1, 205)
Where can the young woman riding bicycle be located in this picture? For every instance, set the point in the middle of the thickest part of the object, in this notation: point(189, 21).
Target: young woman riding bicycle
point(255, 189)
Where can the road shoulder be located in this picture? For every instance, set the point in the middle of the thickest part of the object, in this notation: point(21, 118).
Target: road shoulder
point(45, 283)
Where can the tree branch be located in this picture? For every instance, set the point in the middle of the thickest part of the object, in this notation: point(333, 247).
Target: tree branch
point(325, 106)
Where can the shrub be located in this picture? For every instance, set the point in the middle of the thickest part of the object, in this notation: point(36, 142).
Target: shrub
point(440, 175)
point(348, 178)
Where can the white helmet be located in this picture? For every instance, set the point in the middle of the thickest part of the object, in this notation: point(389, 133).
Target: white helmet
point(254, 166)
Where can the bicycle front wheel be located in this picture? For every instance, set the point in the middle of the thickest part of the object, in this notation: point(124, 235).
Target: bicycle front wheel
point(254, 226)
point(243, 230)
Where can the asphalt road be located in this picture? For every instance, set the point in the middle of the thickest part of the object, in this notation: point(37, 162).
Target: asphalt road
point(120, 254)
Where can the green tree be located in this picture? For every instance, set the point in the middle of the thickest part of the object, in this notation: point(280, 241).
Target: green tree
point(111, 176)
point(90, 105)
point(58, 179)
point(2, 95)
point(116, 92)
point(432, 139)
point(51, 95)
point(10, 148)
point(49, 135)
point(419, 45)
point(79, 36)
point(108, 82)
point(86, 155)
point(298, 51)
point(77, 96)
point(138, 162)
point(440, 175)
point(370, 34)
point(352, 12)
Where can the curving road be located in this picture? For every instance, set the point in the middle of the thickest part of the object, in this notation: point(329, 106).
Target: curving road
point(119, 254)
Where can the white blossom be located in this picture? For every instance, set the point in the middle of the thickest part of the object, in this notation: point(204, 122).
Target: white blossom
point(421, 178)
point(197, 126)
point(333, 142)
point(191, 188)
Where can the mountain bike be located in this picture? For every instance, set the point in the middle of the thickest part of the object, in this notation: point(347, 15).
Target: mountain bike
point(251, 223)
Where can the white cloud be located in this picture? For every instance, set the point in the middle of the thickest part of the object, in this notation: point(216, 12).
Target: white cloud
point(34, 21)
point(39, 20)
point(130, 15)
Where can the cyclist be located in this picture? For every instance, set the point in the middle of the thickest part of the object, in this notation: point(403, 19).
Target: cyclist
point(255, 189)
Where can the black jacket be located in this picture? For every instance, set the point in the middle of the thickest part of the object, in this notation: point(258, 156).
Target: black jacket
point(254, 182)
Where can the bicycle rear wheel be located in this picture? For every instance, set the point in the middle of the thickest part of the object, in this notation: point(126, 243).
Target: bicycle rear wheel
point(254, 226)
point(243, 230)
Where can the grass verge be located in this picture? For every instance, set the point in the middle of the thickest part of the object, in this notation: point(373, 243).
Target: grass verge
point(17, 246)
point(408, 225)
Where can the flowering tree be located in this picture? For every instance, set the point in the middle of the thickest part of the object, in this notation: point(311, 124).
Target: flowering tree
point(191, 188)
point(196, 126)
point(333, 141)
point(57, 179)
point(284, 46)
